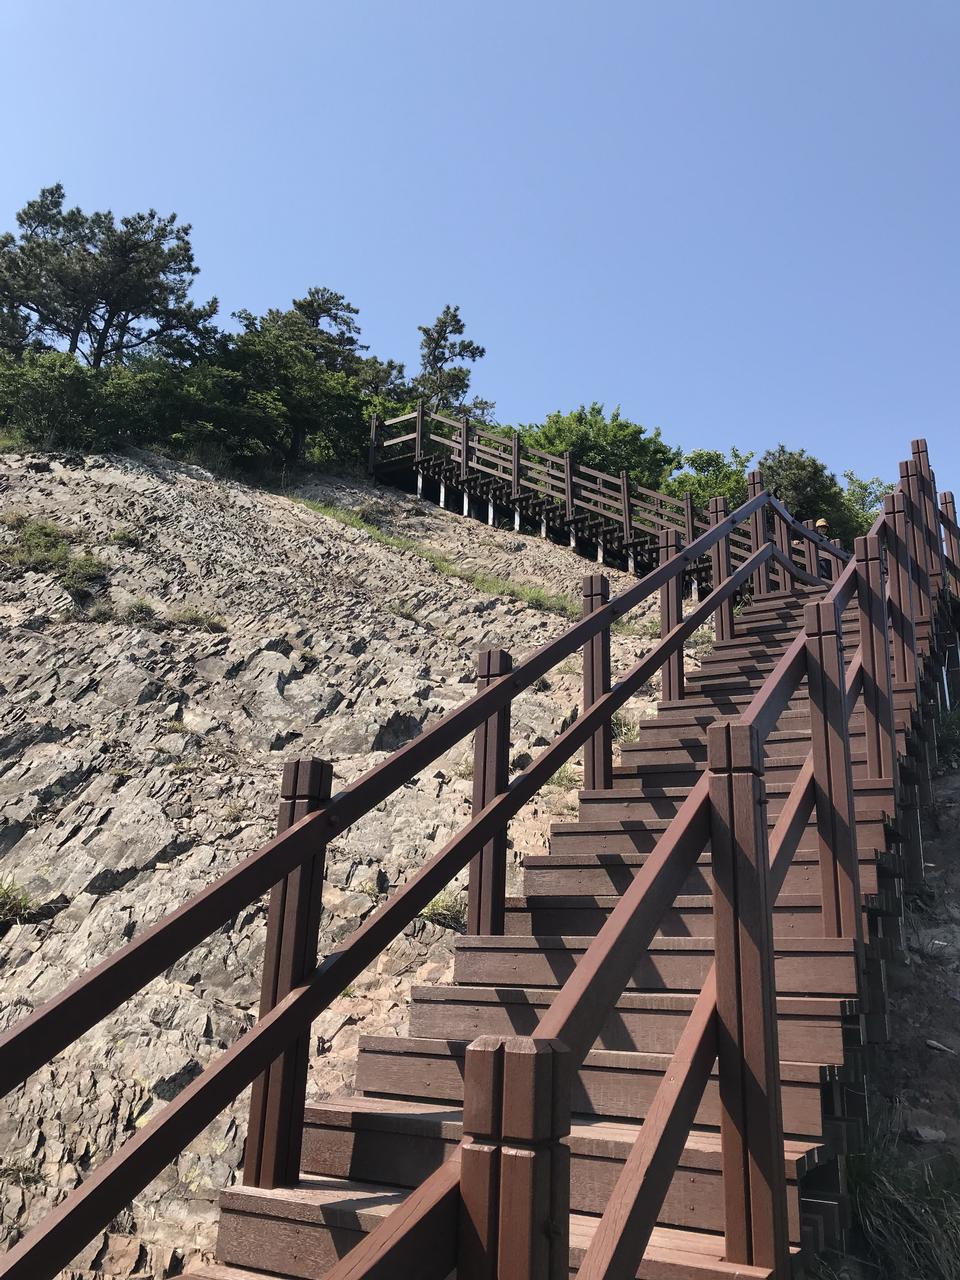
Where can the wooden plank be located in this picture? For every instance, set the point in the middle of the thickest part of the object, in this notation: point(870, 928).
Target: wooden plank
point(491, 775)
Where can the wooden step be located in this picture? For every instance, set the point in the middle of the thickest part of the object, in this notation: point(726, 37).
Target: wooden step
point(569, 874)
point(811, 1029)
point(302, 1231)
point(794, 914)
point(873, 798)
point(403, 1142)
point(618, 1084)
point(804, 966)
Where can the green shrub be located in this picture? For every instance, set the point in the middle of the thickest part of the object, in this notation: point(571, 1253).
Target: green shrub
point(41, 546)
point(447, 910)
point(139, 611)
point(196, 620)
point(15, 902)
point(128, 539)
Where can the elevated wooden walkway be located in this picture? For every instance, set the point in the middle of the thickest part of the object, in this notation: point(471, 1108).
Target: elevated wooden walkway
point(653, 1062)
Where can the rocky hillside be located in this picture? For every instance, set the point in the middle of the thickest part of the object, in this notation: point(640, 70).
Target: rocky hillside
point(210, 631)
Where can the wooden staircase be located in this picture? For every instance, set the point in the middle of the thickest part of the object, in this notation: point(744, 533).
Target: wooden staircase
point(653, 1062)
point(362, 1153)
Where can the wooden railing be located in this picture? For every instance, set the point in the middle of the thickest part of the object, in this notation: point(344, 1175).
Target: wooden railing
point(552, 488)
point(509, 1180)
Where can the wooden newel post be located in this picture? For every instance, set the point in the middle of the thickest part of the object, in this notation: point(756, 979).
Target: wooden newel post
point(721, 568)
point(275, 1129)
point(952, 540)
point(372, 452)
point(901, 594)
point(751, 1124)
point(917, 542)
point(927, 493)
point(598, 752)
point(875, 646)
point(491, 774)
point(758, 534)
point(515, 1166)
point(811, 554)
point(671, 614)
point(418, 433)
point(832, 774)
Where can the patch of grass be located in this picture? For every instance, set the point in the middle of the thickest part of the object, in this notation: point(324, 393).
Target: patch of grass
point(447, 910)
point(21, 1173)
point(700, 642)
point(489, 584)
point(907, 1204)
point(128, 539)
point(619, 726)
point(176, 726)
point(9, 443)
point(41, 546)
point(15, 902)
point(465, 768)
point(139, 611)
point(564, 777)
point(99, 613)
point(196, 620)
point(234, 812)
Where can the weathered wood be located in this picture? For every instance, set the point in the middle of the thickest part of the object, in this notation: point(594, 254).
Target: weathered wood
point(671, 613)
point(919, 552)
point(632, 1210)
point(758, 533)
point(491, 774)
point(879, 726)
point(833, 783)
point(720, 569)
point(598, 753)
point(930, 516)
point(272, 1157)
point(751, 1125)
point(901, 592)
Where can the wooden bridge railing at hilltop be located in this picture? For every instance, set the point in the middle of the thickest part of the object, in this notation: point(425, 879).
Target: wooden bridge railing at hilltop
point(567, 497)
point(505, 1193)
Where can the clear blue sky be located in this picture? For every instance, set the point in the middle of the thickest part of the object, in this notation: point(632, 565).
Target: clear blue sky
point(737, 219)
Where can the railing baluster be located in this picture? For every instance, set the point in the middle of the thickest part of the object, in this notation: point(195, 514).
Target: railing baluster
point(751, 1125)
point(274, 1133)
point(721, 569)
point(598, 753)
point(372, 451)
point(758, 534)
point(832, 775)
point(491, 774)
point(881, 742)
point(671, 613)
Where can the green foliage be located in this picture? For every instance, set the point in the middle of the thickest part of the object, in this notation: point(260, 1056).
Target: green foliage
point(709, 473)
point(41, 546)
point(564, 777)
point(98, 288)
point(196, 620)
point(611, 444)
point(15, 902)
point(444, 379)
point(811, 491)
point(139, 611)
point(127, 539)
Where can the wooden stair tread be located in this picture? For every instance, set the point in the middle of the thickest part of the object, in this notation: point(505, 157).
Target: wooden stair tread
point(704, 942)
point(672, 1253)
point(604, 1136)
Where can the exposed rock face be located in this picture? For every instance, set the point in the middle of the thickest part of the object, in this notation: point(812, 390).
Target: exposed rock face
point(136, 765)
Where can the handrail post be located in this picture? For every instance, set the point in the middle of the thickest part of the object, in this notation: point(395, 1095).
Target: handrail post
point(758, 534)
point(464, 448)
point(568, 494)
point(748, 1061)
point(832, 774)
point(625, 515)
point(952, 541)
point(275, 1129)
point(598, 752)
point(927, 487)
point(671, 614)
point(923, 611)
point(491, 774)
point(781, 536)
point(515, 1167)
point(688, 519)
point(372, 451)
point(515, 467)
point(811, 554)
point(721, 568)
point(879, 726)
point(901, 592)
point(418, 429)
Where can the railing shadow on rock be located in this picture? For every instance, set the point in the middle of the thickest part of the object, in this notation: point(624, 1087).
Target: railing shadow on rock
point(500, 1205)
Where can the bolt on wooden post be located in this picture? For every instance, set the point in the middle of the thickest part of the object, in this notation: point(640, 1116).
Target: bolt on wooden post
point(598, 751)
point(832, 773)
point(671, 614)
point(751, 1124)
point(491, 774)
point(274, 1133)
point(721, 568)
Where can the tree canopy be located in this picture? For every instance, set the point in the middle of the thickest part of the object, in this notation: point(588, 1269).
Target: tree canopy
point(611, 444)
point(709, 473)
point(811, 491)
